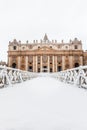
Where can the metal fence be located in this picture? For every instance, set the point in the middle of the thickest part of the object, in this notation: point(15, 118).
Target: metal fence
point(9, 76)
point(77, 76)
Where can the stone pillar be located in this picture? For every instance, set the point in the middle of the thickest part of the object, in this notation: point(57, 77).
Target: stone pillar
point(81, 60)
point(36, 63)
point(71, 62)
point(33, 64)
point(40, 63)
point(48, 64)
point(9, 61)
point(56, 63)
point(26, 63)
point(63, 63)
point(53, 62)
point(19, 61)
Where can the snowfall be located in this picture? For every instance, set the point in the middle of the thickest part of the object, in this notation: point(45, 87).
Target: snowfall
point(43, 103)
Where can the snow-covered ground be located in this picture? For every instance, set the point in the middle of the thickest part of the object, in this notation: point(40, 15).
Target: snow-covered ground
point(43, 104)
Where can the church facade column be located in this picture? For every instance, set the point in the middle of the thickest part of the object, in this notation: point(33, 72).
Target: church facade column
point(63, 62)
point(36, 63)
point(26, 63)
point(53, 62)
point(81, 60)
point(9, 61)
point(48, 65)
point(19, 61)
point(33, 64)
point(40, 63)
point(71, 61)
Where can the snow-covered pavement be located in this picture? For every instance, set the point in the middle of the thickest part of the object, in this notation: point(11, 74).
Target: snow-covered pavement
point(43, 104)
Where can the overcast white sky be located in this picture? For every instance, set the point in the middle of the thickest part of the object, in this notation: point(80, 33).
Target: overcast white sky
point(31, 19)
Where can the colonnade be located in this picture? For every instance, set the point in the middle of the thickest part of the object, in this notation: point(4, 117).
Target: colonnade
point(46, 63)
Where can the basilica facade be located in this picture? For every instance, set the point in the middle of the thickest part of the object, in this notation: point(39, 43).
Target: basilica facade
point(46, 55)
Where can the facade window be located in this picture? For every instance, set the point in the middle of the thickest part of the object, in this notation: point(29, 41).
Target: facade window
point(66, 47)
point(23, 47)
point(76, 47)
point(14, 47)
point(44, 67)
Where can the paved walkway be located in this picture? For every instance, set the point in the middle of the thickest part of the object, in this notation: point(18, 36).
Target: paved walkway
point(43, 104)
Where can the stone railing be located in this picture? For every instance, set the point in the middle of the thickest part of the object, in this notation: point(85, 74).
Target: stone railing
point(77, 76)
point(9, 76)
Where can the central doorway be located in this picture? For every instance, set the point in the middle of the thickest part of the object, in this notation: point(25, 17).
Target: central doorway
point(44, 69)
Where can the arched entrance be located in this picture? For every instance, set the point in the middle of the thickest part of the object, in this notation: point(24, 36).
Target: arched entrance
point(14, 65)
point(76, 65)
point(59, 68)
